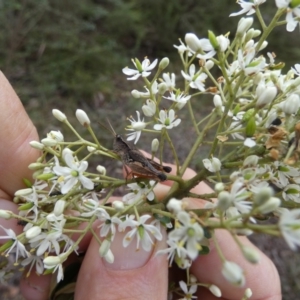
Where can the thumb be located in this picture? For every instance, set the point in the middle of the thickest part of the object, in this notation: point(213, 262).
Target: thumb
point(134, 274)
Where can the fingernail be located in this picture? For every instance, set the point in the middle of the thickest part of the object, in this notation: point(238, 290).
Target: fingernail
point(127, 258)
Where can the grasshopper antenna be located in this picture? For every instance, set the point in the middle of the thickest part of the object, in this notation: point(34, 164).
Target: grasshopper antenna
point(110, 128)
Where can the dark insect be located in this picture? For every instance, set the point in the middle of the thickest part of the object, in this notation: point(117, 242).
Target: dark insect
point(138, 164)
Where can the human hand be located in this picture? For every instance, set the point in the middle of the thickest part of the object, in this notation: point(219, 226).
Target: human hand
point(134, 274)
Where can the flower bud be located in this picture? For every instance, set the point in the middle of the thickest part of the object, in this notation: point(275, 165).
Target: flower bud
point(23, 192)
point(49, 142)
point(109, 257)
point(213, 40)
point(51, 261)
point(164, 63)
point(269, 205)
point(248, 293)
point(101, 170)
point(266, 96)
point(83, 118)
point(217, 101)
point(45, 176)
point(26, 206)
point(33, 232)
point(223, 42)
point(118, 205)
point(5, 214)
point(162, 88)
point(59, 115)
point(219, 187)
point(192, 42)
point(224, 200)
point(36, 145)
point(250, 127)
point(91, 149)
point(59, 207)
point(233, 273)
point(250, 254)
point(215, 291)
point(175, 205)
point(36, 166)
point(209, 64)
point(243, 25)
point(104, 248)
point(135, 94)
point(154, 145)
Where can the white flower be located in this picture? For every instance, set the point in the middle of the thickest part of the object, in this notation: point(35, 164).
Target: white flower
point(239, 195)
point(71, 175)
point(55, 263)
point(167, 119)
point(34, 260)
point(149, 108)
point(291, 192)
point(188, 292)
point(196, 81)
point(296, 69)
point(141, 69)
point(289, 225)
point(17, 247)
point(141, 231)
point(212, 165)
point(233, 273)
point(55, 135)
point(169, 79)
point(136, 127)
point(248, 7)
point(139, 191)
point(291, 23)
point(109, 226)
point(178, 97)
point(187, 232)
point(249, 64)
point(176, 250)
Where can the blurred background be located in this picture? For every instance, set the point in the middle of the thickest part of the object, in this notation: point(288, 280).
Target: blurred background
point(69, 54)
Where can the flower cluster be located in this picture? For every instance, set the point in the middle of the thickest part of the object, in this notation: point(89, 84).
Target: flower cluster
point(253, 166)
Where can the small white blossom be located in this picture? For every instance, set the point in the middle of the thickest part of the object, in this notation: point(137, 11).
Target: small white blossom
point(136, 127)
point(296, 69)
point(149, 108)
point(247, 7)
point(139, 191)
point(180, 99)
point(289, 225)
point(167, 120)
point(169, 79)
point(17, 247)
point(187, 232)
point(72, 174)
point(188, 292)
point(212, 165)
point(142, 69)
point(143, 232)
point(291, 23)
point(196, 81)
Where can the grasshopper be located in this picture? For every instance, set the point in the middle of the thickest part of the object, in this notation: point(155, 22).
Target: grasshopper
point(138, 164)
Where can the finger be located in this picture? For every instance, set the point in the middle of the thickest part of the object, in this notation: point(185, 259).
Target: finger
point(35, 287)
point(262, 278)
point(16, 132)
point(133, 274)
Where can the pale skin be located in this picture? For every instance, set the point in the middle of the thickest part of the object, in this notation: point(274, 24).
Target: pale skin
point(133, 275)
